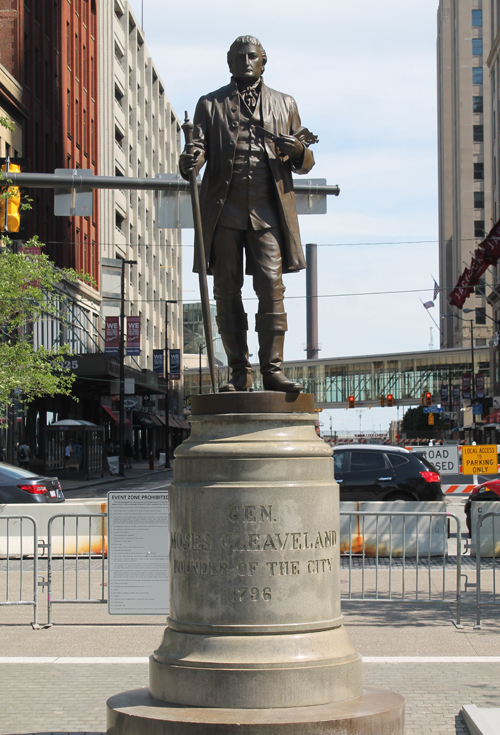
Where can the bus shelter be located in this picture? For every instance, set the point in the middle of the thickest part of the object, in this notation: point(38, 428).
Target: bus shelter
point(74, 448)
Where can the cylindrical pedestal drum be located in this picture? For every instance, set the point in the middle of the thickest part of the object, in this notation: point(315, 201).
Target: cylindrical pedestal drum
point(254, 617)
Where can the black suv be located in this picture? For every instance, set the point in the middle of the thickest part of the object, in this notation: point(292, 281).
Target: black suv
point(379, 472)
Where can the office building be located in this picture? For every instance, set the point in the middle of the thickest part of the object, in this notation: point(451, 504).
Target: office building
point(139, 135)
point(465, 123)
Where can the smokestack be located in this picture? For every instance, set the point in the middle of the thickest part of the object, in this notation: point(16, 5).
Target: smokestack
point(312, 301)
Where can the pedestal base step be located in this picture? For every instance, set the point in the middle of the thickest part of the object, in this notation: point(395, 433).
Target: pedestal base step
point(378, 711)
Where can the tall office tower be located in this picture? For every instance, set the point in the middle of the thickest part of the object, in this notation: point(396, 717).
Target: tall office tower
point(465, 170)
point(139, 135)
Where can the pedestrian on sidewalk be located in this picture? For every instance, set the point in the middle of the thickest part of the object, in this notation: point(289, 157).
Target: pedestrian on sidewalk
point(128, 451)
point(23, 455)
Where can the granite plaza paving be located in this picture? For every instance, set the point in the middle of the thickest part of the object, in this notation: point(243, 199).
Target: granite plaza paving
point(58, 679)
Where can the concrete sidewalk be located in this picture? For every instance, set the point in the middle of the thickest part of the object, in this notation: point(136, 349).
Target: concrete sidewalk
point(139, 470)
point(58, 679)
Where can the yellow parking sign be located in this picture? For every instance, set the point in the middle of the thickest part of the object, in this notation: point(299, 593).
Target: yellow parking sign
point(480, 460)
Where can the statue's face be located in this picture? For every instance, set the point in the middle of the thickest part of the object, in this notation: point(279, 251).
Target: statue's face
point(246, 63)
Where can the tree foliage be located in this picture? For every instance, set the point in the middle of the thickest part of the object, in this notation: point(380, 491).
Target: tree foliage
point(28, 281)
point(416, 420)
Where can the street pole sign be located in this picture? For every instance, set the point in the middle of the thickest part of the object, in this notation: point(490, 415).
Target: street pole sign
point(433, 409)
point(481, 459)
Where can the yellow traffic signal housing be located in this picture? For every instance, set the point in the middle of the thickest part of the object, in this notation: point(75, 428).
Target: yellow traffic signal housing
point(428, 399)
point(12, 202)
point(430, 420)
point(351, 402)
point(390, 399)
point(422, 399)
point(382, 400)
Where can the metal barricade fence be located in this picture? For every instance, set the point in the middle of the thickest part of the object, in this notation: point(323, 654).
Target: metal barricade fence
point(481, 553)
point(77, 547)
point(380, 549)
point(16, 568)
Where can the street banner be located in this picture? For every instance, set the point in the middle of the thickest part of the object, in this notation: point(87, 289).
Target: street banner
point(133, 335)
point(481, 459)
point(466, 384)
point(444, 395)
point(456, 395)
point(158, 363)
point(175, 365)
point(480, 385)
point(112, 335)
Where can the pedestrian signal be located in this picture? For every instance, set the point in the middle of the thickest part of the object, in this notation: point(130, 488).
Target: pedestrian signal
point(350, 402)
point(390, 399)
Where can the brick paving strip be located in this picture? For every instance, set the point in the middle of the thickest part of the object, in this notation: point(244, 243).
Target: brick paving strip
point(39, 696)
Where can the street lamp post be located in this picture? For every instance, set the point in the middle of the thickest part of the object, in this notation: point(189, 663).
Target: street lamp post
point(121, 460)
point(167, 375)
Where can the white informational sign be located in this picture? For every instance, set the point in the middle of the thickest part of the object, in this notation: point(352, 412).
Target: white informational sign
point(138, 548)
point(444, 458)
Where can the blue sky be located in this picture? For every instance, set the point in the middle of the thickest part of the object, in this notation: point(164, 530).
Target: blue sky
point(364, 77)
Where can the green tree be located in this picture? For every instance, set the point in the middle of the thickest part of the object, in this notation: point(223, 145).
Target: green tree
point(416, 420)
point(28, 292)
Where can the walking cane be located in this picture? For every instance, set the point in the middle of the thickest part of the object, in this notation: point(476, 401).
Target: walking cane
point(199, 250)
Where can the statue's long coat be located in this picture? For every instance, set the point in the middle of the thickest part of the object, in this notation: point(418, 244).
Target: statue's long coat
point(216, 123)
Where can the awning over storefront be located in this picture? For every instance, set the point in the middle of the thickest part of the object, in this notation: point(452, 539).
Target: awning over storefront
point(115, 415)
point(177, 423)
point(143, 420)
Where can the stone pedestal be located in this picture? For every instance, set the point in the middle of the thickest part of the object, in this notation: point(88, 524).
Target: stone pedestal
point(255, 640)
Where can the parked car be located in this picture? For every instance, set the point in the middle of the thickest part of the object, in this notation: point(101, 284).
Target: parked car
point(18, 485)
point(487, 491)
point(380, 472)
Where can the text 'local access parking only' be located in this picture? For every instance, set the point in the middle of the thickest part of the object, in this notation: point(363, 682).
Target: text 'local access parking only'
point(480, 460)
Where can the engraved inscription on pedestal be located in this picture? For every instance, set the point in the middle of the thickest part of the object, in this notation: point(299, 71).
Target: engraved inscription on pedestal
point(261, 563)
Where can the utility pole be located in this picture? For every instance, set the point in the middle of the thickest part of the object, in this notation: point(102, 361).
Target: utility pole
point(121, 459)
point(167, 376)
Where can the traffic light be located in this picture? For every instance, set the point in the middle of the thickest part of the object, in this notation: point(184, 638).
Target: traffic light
point(422, 399)
point(430, 420)
point(11, 221)
point(390, 399)
point(428, 399)
point(382, 400)
point(350, 402)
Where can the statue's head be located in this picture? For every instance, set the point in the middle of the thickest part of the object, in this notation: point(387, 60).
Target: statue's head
point(246, 58)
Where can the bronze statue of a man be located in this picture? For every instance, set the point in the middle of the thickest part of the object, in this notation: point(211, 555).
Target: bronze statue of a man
point(249, 137)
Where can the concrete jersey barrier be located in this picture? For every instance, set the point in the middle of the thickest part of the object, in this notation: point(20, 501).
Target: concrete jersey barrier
point(42, 512)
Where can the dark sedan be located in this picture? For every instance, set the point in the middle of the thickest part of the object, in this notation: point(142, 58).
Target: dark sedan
point(21, 486)
point(380, 472)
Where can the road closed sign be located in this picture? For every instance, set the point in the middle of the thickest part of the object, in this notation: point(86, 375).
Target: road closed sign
point(481, 459)
point(444, 459)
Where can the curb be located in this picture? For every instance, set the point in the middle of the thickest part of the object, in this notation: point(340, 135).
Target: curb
point(114, 479)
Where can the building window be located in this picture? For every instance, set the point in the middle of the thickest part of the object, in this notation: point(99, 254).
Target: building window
point(479, 200)
point(76, 128)
point(477, 18)
point(479, 228)
point(480, 289)
point(68, 111)
point(480, 315)
point(477, 131)
point(477, 46)
point(477, 103)
point(77, 68)
point(68, 48)
point(479, 171)
point(84, 72)
point(477, 75)
point(84, 130)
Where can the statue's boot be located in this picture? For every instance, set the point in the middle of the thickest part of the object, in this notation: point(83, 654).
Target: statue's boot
point(233, 331)
point(271, 329)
